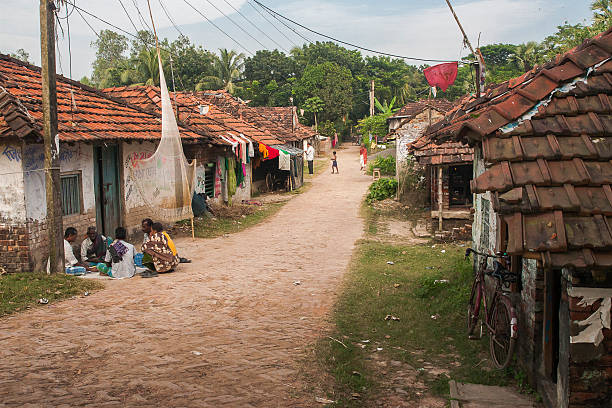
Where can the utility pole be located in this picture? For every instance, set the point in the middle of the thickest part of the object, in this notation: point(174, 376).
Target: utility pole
point(372, 98)
point(50, 136)
point(467, 42)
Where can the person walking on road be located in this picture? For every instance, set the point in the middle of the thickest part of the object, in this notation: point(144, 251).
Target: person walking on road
point(310, 153)
point(334, 161)
point(363, 157)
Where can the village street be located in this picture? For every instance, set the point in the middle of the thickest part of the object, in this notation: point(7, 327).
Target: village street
point(228, 329)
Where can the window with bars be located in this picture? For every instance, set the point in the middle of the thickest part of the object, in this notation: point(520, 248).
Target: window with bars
point(71, 194)
point(485, 231)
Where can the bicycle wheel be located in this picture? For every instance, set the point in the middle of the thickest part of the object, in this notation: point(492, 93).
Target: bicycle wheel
point(473, 307)
point(502, 340)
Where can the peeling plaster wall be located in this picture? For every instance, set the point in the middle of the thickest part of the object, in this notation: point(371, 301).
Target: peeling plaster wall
point(12, 194)
point(77, 158)
point(409, 133)
point(484, 237)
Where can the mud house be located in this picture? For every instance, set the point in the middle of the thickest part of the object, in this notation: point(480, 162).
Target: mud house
point(101, 139)
point(448, 171)
point(542, 176)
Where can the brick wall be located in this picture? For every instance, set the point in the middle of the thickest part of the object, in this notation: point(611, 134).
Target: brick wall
point(590, 347)
point(14, 249)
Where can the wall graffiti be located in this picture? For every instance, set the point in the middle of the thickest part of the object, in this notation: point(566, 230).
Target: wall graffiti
point(11, 153)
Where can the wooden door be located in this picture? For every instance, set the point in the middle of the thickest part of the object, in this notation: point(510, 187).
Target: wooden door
point(106, 179)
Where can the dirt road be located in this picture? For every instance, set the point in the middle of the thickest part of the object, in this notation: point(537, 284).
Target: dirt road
point(226, 330)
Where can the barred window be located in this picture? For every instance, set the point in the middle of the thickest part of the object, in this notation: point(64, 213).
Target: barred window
point(71, 194)
point(485, 228)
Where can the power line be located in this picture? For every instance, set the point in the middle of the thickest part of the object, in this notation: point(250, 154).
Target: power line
point(128, 16)
point(218, 28)
point(170, 18)
point(272, 24)
point(269, 10)
point(273, 14)
point(142, 19)
point(236, 24)
point(257, 28)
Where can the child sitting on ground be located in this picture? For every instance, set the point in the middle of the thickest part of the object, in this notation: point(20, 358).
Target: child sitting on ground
point(334, 160)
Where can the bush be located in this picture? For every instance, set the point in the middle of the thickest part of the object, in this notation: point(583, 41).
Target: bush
point(385, 164)
point(381, 189)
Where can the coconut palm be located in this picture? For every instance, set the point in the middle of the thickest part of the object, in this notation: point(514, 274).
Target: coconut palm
point(227, 67)
point(527, 55)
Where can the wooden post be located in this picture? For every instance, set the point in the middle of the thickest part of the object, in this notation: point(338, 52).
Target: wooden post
point(50, 137)
point(192, 230)
point(429, 108)
point(467, 41)
point(372, 98)
point(440, 198)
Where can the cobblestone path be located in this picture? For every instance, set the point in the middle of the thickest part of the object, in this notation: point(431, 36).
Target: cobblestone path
point(227, 330)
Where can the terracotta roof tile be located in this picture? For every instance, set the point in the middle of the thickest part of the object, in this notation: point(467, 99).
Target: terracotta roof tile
point(90, 116)
point(549, 171)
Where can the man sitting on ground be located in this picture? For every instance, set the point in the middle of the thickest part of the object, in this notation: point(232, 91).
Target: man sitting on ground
point(70, 260)
point(93, 248)
point(120, 256)
point(159, 252)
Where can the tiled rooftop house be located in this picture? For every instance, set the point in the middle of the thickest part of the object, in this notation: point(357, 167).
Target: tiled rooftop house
point(542, 183)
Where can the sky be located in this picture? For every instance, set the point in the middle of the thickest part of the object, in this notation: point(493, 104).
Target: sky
point(415, 28)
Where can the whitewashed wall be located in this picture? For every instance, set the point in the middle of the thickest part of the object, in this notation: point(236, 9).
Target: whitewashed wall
point(133, 153)
point(482, 226)
point(72, 158)
point(409, 132)
point(12, 193)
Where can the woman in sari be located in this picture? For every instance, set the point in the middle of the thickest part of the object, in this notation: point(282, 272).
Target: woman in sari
point(160, 254)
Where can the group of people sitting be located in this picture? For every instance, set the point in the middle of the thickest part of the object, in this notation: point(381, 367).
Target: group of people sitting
point(159, 254)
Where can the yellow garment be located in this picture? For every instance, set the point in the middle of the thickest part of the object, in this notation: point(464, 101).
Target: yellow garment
point(264, 150)
point(170, 243)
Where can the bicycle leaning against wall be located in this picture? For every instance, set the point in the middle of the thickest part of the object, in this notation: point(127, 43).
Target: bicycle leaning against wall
point(500, 318)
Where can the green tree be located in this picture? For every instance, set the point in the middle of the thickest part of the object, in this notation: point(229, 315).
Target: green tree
point(110, 58)
point(314, 105)
point(227, 69)
point(329, 82)
point(527, 55)
point(21, 54)
point(384, 108)
point(602, 15)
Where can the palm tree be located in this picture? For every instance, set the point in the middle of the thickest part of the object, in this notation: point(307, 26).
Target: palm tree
point(148, 66)
point(527, 55)
point(384, 108)
point(227, 67)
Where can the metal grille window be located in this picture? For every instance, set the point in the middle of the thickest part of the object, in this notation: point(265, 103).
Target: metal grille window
point(209, 180)
point(71, 194)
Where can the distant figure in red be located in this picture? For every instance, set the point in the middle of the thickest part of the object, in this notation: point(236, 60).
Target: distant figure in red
point(363, 157)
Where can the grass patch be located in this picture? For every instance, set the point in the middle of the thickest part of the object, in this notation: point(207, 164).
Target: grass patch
point(407, 290)
point(319, 165)
point(207, 227)
point(19, 291)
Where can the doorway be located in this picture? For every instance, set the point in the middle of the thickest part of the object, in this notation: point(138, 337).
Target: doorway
point(459, 191)
point(106, 187)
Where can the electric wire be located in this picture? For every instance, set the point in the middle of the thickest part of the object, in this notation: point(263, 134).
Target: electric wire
point(273, 14)
point(269, 10)
point(272, 24)
point(128, 16)
point(170, 18)
point(257, 28)
point(236, 24)
point(218, 28)
point(143, 21)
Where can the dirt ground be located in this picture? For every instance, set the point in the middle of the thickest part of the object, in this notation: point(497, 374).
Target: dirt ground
point(228, 329)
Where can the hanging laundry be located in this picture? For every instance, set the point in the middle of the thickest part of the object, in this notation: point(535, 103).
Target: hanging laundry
point(263, 149)
point(284, 160)
point(441, 75)
point(231, 179)
point(218, 174)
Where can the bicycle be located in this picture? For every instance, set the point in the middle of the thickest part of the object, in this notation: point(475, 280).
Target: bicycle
point(500, 316)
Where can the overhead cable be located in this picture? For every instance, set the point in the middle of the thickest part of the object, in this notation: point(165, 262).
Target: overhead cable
point(236, 24)
point(170, 18)
point(269, 10)
point(272, 24)
point(255, 26)
point(274, 14)
point(217, 27)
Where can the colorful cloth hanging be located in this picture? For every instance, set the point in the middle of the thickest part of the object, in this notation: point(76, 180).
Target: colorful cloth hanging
point(441, 75)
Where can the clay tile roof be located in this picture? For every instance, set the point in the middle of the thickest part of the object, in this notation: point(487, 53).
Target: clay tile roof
point(254, 116)
point(546, 141)
point(412, 109)
point(84, 113)
point(426, 151)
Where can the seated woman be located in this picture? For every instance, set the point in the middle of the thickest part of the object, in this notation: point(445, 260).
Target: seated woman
point(120, 256)
point(159, 252)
